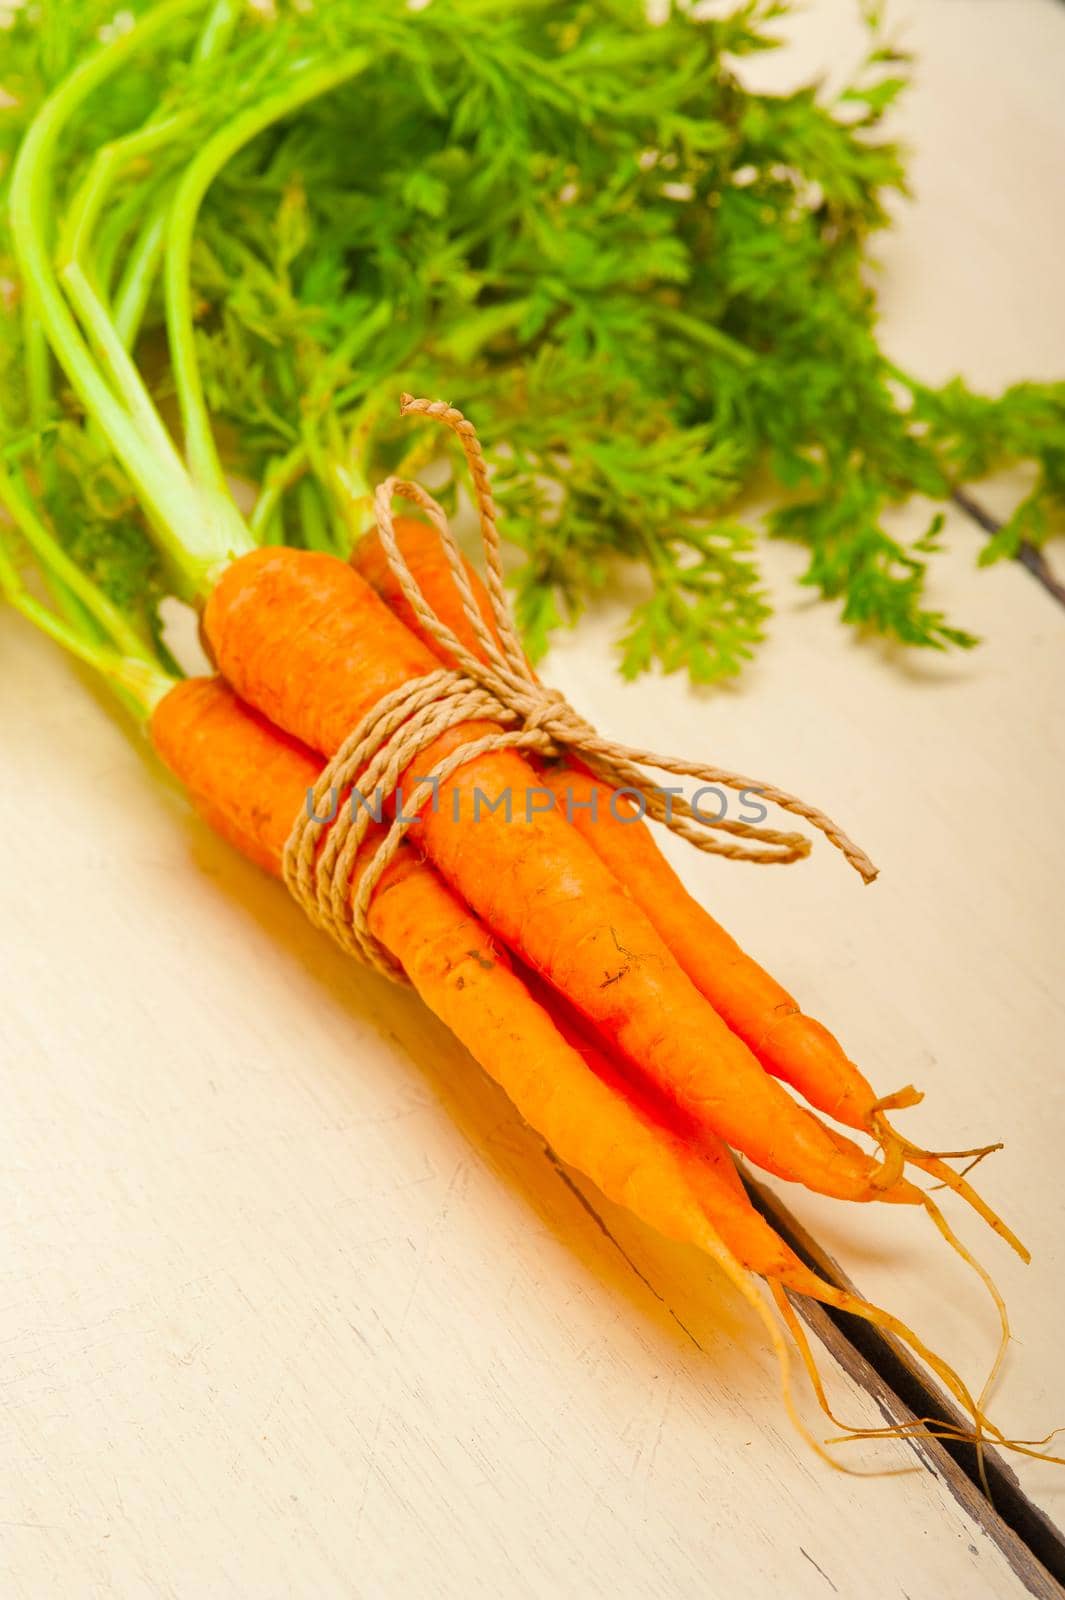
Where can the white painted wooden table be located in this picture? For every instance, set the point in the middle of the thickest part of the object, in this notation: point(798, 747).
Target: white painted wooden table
point(292, 1305)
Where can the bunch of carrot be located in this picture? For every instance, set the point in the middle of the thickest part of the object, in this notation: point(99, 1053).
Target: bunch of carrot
point(528, 939)
point(626, 1026)
point(586, 1061)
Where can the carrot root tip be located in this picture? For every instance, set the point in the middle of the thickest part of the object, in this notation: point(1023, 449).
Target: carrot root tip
point(933, 1163)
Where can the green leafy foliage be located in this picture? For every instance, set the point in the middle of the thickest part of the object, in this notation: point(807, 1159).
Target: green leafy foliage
point(647, 285)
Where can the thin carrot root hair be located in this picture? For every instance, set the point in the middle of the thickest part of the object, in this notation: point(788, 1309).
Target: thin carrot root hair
point(983, 1431)
point(950, 1179)
point(919, 1427)
point(990, 1285)
point(898, 1150)
point(975, 1158)
point(742, 1281)
point(842, 1300)
point(915, 1427)
point(829, 1294)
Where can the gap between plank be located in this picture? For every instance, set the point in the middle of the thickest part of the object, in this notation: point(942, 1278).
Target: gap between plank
point(1033, 1545)
point(1033, 560)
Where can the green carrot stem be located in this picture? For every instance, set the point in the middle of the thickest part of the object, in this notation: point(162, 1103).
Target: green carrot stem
point(105, 168)
point(37, 365)
point(347, 495)
point(198, 532)
point(118, 365)
point(314, 523)
point(70, 608)
point(281, 474)
point(139, 273)
point(55, 561)
point(142, 686)
point(87, 619)
point(197, 178)
point(218, 29)
point(119, 218)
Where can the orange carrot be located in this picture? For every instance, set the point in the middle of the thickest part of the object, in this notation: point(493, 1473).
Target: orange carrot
point(248, 781)
point(304, 639)
point(789, 1044)
point(424, 553)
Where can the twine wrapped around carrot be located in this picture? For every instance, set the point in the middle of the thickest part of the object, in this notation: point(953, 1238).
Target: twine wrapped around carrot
point(500, 687)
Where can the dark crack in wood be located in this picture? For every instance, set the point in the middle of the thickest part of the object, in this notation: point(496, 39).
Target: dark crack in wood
point(1032, 559)
point(1032, 1545)
point(582, 1199)
point(816, 1568)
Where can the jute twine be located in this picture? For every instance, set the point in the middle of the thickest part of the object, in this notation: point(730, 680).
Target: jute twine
point(498, 686)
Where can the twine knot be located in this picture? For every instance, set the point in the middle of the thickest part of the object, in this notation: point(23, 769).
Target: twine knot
point(551, 711)
point(331, 848)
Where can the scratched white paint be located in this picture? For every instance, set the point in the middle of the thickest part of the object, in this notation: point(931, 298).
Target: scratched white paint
point(292, 1305)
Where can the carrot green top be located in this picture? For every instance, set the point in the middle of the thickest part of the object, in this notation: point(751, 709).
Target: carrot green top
point(237, 233)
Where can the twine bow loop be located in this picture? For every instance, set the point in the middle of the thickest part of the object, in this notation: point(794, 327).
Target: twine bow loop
point(494, 684)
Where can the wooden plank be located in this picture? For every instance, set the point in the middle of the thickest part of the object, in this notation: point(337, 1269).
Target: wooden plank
point(292, 1303)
